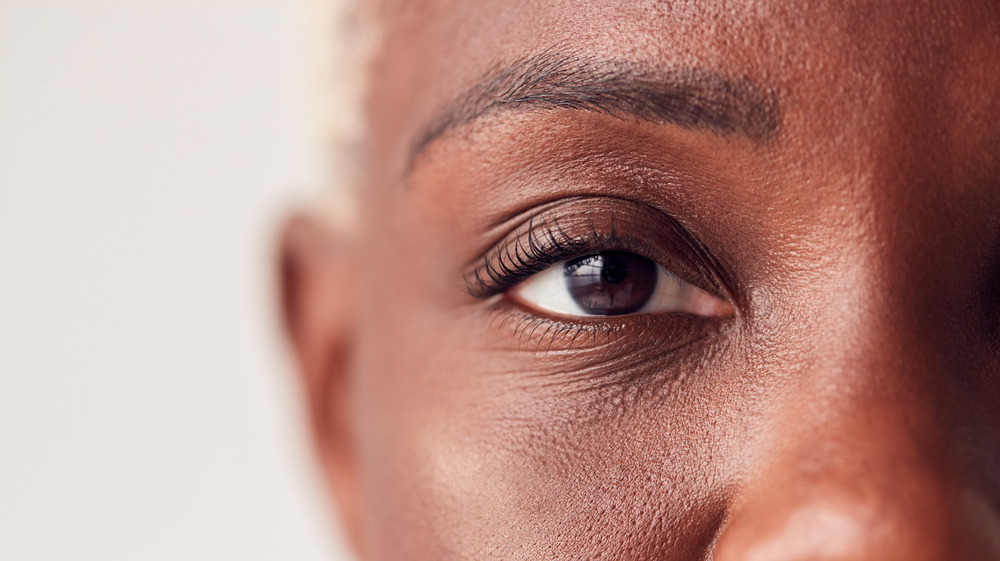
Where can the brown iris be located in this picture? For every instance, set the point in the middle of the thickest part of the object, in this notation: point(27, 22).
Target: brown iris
point(611, 282)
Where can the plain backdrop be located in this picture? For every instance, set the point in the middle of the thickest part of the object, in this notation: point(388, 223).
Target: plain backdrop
point(147, 410)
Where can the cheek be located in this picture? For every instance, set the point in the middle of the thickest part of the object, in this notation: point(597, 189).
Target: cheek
point(472, 465)
point(472, 444)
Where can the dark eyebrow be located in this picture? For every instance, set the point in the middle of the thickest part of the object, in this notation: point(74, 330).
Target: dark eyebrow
point(687, 97)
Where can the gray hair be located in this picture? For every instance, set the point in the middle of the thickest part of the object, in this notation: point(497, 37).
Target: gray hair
point(344, 38)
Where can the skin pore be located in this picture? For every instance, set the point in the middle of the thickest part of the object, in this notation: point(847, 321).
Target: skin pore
point(815, 188)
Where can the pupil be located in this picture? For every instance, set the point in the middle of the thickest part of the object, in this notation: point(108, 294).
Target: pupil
point(614, 271)
point(611, 282)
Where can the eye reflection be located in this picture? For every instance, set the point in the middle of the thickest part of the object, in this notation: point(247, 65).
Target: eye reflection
point(614, 283)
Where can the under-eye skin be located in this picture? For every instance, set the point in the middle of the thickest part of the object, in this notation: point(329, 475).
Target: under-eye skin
point(589, 260)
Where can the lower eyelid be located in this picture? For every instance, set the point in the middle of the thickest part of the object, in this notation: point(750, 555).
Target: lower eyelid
point(615, 341)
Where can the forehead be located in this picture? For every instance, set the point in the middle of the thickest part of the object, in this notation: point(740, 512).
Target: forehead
point(733, 33)
point(840, 69)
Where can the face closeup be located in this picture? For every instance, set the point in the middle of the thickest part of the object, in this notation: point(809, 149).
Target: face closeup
point(666, 280)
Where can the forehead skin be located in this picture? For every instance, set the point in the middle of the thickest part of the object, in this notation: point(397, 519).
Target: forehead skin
point(851, 406)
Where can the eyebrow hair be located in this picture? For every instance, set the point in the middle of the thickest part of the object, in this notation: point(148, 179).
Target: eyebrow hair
point(688, 97)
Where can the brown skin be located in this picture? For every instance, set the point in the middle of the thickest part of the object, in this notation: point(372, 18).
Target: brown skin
point(848, 408)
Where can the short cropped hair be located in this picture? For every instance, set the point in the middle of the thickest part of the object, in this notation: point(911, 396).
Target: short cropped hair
point(344, 37)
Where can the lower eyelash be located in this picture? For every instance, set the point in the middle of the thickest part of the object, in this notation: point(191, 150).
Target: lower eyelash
point(601, 353)
point(541, 334)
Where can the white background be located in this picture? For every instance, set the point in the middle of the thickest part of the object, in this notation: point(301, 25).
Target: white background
point(147, 411)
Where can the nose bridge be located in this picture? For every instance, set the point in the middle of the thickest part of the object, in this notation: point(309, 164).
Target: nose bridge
point(875, 346)
point(865, 424)
point(865, 366)
point(866, 428)
point(858, 461)
point(877, 380)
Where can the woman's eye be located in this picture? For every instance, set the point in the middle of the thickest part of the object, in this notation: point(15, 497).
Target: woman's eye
point(613, 283)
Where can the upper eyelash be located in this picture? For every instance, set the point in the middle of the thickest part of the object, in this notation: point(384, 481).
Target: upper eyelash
point(536, 249)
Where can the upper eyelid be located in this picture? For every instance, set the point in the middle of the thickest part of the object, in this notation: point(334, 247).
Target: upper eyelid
point(570, 228)
point(539, 245)
point(505, 264)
